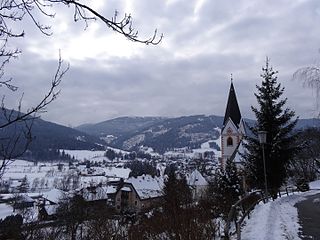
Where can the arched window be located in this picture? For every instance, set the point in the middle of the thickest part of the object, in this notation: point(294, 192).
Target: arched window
point(229, 141)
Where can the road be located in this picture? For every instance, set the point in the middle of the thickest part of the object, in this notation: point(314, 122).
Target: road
point(309, 217)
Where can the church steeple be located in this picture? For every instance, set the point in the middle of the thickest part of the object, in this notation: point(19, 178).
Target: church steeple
point(232, 110)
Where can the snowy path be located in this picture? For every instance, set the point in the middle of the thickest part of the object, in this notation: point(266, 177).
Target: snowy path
point(275, 220)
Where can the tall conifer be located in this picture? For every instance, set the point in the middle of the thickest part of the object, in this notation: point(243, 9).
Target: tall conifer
point(279, 122)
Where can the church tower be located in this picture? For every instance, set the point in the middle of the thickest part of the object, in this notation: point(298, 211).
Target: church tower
point(232, 130)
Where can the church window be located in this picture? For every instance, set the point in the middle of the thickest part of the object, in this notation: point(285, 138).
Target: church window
point(229, 141)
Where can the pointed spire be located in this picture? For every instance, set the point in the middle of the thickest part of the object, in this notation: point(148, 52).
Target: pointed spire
point(232, 110)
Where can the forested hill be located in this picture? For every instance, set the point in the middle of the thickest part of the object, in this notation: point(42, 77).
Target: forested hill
point(159, 133)
point(164, 133)
point(46, 136)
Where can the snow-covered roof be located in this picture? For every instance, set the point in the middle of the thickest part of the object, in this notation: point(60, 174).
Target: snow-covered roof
point(147, 186)
point(239, 150)
point(196, 179)
point(54, 195)
point(97, 193)
point(126, 189)
point(51, 209)
point(5, 210)
point(117, 172)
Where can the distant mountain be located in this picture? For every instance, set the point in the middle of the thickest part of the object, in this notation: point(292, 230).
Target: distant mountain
point(119, 126)
point(161, 134)
point(307, 123)
point(128, 133)
point(47, 136)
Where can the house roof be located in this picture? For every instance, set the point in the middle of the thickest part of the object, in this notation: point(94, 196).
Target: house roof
point(51, 209)
point(232, 109)
point(54, 195)
point(97, 193)
point(147, 186)
point(196, 179)
point(126, 189)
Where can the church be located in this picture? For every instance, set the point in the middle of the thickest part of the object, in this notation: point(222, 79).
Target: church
point(233, 129)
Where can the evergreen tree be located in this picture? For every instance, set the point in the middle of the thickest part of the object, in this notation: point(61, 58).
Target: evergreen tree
point(226, 189)
point(110, 154)
point(273, 117)
point(24, 186)
point(177, 194)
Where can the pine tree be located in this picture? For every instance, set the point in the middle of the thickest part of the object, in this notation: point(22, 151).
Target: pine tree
point(177, 193)
point(273, 117)
point(24, 186)
point(226, 189)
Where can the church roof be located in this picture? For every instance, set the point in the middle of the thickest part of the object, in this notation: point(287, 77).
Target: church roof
point(232, 110)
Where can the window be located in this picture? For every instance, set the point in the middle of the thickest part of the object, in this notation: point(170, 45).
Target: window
point(229, 141)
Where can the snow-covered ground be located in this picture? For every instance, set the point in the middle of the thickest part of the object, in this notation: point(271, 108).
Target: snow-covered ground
point(277, 219)
point(83, 155)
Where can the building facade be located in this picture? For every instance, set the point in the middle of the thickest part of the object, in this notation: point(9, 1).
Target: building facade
point(233, 128)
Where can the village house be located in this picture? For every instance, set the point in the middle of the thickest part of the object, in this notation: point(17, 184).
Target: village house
point(49, 203)
point(99, 194)
point(139, 194)
point(197, 183)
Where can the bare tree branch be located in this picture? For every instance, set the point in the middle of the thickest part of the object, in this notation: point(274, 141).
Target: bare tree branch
point(310, 76)
point(12, 11)
point(124, 26)
point(41, 106)
point(15, 141)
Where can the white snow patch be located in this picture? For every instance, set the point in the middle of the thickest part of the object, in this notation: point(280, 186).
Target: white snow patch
point(5, 210)
point(147, 186)
point(82, 155)
point(315, 185)
point(275, 220)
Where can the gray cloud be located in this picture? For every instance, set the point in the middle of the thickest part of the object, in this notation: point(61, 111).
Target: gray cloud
point(188, 73)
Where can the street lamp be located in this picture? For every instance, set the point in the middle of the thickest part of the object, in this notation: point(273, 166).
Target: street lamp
point(263, 140)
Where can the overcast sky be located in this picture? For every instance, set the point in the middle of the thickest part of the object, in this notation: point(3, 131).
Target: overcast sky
point(187, 73)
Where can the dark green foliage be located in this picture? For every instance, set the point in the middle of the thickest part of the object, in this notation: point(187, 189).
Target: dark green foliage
point(143, 155)
point(47, 154)
point(306, 164)
point(138, 168)
point(10, 227)
point(177, 194)
point(130, 156)
point(273, 117)
point(110, 154)
point(170, 168)
point(225, 189)
point(24, 185)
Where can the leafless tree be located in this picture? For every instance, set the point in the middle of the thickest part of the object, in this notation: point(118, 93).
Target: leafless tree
point(15, 125)
point(310, 76)
point(306, 163)
point(13, 11)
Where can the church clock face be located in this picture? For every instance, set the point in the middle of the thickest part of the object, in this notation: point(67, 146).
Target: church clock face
point(229, 131)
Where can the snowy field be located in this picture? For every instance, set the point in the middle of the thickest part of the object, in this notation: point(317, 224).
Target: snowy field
point(83, 155)
point(277, 219)
point(43, 176)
